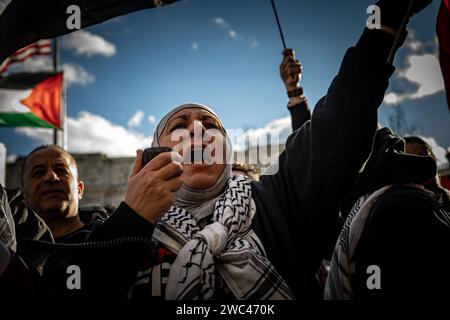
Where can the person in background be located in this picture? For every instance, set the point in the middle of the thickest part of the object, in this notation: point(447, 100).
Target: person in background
point(291, 74)
point(52, 189)
point(418, 146)
point(103, 249)
point(396, 234)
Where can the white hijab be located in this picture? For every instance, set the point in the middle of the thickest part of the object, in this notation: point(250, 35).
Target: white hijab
point(199, 202)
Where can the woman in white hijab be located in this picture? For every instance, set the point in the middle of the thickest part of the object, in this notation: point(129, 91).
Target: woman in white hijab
point(209, 225)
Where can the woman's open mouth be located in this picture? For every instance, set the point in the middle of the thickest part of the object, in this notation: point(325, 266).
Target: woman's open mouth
point(198, 156)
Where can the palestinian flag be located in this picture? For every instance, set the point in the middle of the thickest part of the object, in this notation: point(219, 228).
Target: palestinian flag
point(443, 33)
point(31, 100)
point(23, 22)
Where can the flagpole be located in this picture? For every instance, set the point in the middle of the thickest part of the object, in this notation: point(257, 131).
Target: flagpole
point(64, 114)
point(278, 23)
point(55, 52)
point(398, 36)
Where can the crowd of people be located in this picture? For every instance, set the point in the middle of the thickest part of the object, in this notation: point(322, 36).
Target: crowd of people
point(203, 231)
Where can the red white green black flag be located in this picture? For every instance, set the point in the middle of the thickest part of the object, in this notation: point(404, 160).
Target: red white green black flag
point(31, 100)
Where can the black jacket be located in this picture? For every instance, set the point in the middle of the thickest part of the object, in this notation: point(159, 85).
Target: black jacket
point(297, 208)
point(108, 253)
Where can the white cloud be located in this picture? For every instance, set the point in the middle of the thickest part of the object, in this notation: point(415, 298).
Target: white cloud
point(33, 64)
point(194, 46)
point(76, 74)
point(392, 98)
point(219, 21)
point(89, 133)
point(151, 119)
point(232, 34)
point(412, 42)
point(136, 119)
point(88, 44)
point(41, 135)
point(424, 72)
point(438, 151)
point(11, 158)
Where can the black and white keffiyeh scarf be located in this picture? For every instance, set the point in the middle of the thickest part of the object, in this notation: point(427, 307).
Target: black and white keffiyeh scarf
point(338, 285)
point(226, 248)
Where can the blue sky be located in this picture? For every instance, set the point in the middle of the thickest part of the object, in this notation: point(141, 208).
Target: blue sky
point(128, 72)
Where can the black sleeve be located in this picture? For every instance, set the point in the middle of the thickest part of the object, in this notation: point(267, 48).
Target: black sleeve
point(300, 113)
point(298, 206)
point(111, 259)
point(124, 222)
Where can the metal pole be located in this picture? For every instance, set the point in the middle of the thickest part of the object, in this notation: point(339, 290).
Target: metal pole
point(390, 58)
point(64, 115)
point(278, 23)
point(55, 68)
